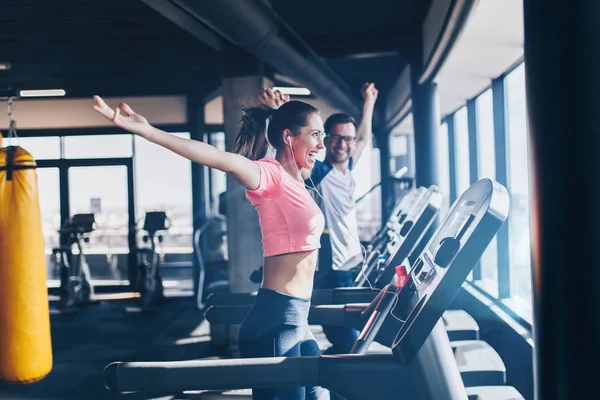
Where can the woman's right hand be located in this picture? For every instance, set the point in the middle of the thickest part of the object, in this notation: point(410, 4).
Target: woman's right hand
point(124, 117)
point(273, 98)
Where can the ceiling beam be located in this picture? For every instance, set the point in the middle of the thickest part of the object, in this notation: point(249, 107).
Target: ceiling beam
point(186, 21)
point(353, 45)
point(256, 27)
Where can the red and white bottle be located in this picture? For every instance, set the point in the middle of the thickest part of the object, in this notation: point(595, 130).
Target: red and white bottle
point(401, 276)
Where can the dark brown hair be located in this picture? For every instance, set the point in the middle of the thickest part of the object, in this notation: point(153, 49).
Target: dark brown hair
point(251, 141)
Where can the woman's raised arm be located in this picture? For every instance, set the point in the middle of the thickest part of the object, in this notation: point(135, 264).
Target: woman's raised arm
point(245, 171)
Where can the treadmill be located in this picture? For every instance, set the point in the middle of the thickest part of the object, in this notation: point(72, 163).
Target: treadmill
point(397, 213)
point(479, 363)
point(421, 365)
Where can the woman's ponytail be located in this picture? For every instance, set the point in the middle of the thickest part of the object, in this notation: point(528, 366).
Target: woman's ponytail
point(251, 142)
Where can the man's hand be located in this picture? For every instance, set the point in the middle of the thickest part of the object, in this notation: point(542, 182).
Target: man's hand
point(365, 128)
point(369, 93)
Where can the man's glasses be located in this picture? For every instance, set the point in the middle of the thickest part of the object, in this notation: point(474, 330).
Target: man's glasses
point(339, 138)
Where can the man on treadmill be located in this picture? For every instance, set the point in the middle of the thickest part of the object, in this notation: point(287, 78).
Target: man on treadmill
point(340, 250)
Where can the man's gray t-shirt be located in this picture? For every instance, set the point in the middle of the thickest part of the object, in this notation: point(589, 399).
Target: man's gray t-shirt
point(338, 207)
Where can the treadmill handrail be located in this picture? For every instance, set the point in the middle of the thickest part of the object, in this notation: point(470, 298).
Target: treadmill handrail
point(239, 373)
point(331, 314)
point(359, 373)
point(387, 299)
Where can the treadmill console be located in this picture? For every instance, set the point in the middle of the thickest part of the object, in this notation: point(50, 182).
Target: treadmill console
point(444, 265)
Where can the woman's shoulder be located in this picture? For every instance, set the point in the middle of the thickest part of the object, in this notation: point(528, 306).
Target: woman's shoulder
point(270, 166)
point(271, 174)
point(269, 161)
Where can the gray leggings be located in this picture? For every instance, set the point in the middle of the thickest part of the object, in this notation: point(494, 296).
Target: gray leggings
point(277, 326)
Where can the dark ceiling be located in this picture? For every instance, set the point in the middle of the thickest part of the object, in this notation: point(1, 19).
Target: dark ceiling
point(117, 47)
point(124, 47)
point(343, 27)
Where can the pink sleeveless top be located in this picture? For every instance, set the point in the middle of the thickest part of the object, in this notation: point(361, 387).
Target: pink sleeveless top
point(290, 220)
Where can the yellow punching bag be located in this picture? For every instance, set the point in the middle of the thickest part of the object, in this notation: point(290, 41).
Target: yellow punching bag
point(25, 343)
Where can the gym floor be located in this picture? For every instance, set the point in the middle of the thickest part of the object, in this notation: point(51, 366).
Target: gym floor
point(85, 342)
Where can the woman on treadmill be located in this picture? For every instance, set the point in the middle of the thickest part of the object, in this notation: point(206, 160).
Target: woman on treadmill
point(291, 222)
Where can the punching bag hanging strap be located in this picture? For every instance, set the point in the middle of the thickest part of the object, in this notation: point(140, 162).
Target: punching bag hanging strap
point(12, 133)
point(12, 129)
point(9, 163)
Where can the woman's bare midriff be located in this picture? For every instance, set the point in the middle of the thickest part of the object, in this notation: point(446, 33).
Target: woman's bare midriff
point(291, 273)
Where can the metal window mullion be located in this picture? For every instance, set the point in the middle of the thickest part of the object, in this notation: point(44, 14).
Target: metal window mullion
point(473, 167)
point(501, 152)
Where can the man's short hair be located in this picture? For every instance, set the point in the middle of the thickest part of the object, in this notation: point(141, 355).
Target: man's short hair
point(336, 119)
